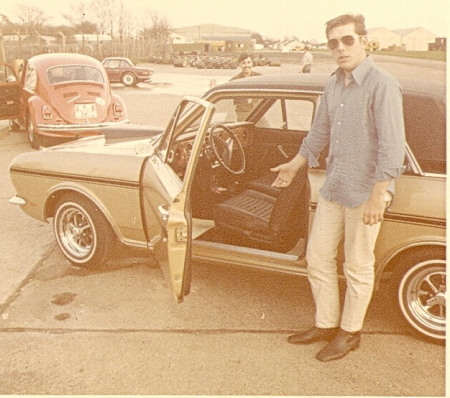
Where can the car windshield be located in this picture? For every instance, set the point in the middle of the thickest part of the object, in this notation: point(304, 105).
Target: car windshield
point(71, 73)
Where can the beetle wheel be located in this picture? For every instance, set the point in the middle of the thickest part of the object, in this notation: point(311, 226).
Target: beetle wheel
point(35, 139)
point(13, 125)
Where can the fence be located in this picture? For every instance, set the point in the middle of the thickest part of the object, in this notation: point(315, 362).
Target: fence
point(131, 48)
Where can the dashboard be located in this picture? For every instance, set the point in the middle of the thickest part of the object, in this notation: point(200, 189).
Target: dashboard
point(182, 149)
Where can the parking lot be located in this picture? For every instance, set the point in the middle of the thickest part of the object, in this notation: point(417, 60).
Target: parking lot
point(117, 329)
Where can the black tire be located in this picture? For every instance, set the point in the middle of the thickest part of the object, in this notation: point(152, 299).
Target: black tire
point(13, 125)
point(34, 138)
point(420, 287)
point(128, 79)
point(82, 232)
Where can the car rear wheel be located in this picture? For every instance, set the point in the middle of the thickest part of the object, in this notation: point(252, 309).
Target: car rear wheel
point(421, 289)
point(82, 231)
point(35, 139)
point(128, 79)
point(13, 125)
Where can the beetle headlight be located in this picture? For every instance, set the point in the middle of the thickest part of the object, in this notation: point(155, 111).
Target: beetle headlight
point(47, 112)
point(117, 109)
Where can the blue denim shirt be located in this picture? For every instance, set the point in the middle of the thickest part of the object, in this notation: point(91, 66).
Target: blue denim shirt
point(363, 125)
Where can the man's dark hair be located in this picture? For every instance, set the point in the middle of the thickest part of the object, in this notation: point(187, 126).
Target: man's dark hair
point(357, 20)
point(243, 56)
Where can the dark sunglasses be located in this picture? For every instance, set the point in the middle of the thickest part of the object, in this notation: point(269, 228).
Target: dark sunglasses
point(347, 40)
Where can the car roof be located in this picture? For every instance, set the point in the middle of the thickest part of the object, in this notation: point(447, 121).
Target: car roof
point(316, 83)
point(119, 58)
point(46, 60)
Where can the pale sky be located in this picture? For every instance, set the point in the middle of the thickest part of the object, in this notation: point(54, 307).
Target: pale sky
point(274, 18)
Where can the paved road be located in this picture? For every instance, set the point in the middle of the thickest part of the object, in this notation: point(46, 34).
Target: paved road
point(117, 330)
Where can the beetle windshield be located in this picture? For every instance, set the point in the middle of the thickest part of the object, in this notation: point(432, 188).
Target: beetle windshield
point(71, 73)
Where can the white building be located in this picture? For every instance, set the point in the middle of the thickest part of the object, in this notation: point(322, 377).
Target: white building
point(416, 39)
point(384, 38)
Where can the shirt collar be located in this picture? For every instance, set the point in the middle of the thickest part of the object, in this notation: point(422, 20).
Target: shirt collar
point(359, 73)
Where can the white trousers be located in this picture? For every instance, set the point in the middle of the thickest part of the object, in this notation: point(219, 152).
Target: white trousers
point(331, 224)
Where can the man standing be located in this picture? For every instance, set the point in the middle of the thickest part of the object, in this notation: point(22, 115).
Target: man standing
point(360, 117)
point(307, 60)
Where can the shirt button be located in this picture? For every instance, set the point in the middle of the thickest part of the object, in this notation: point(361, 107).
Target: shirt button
point(342, 105)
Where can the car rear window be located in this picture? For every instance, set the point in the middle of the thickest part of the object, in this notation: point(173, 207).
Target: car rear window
point(71, 73)
point(425, 126)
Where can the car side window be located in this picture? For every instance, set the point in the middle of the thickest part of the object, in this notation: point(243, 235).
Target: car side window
point(30, 78)
point(112, 63)
point(288, 114)
point(425, 128)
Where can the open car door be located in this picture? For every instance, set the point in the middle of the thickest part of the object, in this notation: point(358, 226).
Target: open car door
point(166, 192)
point(9, 93)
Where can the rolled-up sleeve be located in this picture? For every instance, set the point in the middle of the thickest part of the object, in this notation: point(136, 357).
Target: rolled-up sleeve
point(388, 108)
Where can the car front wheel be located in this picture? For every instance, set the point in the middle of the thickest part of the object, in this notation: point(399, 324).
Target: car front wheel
point(82, 232)
point(421, 292)
point(128, 79)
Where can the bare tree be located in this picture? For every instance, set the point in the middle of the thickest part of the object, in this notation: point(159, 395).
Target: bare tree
point(107, 13)
point(81, 12)
point(157, 33)
point(81, 18)
point(32, 18)
point(124, 22)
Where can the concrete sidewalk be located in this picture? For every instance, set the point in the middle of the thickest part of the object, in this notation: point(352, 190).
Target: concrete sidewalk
point(25, 241)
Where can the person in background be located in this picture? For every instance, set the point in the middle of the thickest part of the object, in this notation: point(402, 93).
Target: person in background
point(307, 60)
point(246, 65)
point(360, 118)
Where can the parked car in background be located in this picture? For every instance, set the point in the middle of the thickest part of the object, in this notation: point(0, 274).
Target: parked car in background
point(200, 190)
point(60, 97)
point(122, 70)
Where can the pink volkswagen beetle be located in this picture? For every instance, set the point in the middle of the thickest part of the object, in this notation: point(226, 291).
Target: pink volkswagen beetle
point(60, 97)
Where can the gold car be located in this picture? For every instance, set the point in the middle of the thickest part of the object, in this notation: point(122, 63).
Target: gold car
point(200, 189)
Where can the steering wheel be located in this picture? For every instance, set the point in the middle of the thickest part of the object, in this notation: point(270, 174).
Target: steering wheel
point(225, 149)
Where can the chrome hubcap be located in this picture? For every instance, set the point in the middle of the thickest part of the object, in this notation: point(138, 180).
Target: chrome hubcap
point(75, 232)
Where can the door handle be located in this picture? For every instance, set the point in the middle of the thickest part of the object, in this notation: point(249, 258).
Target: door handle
point(282, 151)
point(164, 211)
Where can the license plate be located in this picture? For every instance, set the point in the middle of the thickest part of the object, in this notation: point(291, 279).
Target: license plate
point(85, 111)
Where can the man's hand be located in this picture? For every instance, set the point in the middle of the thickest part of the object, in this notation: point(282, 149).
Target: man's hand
point(376, 205)
point(287, 171)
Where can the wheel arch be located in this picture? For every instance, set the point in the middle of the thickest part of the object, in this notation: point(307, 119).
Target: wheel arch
point(128, 72)
point(395, 259)
point(56, 194)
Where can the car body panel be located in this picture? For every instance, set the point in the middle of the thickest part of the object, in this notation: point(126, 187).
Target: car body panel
point(170, 206)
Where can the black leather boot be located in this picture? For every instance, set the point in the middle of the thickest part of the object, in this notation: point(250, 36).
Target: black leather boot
point(340, 346)
point(312, 335)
